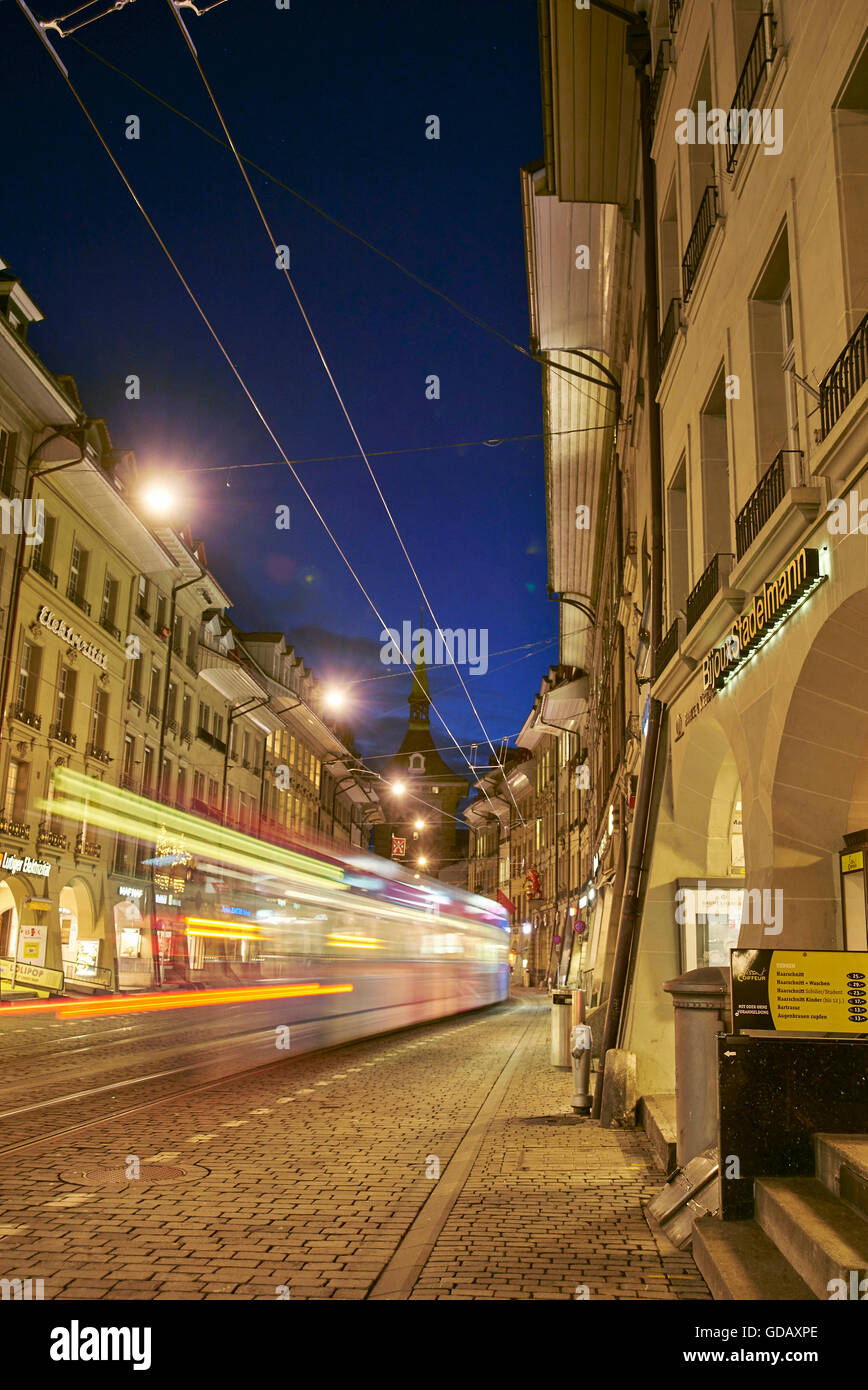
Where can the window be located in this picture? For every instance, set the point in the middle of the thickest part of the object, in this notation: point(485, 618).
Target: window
point(142, 592)
point(218, 726)
point(160, 621)
point(714, 448)
point(43, 552)
point(28, 677)
point(318, 772)
point(772, 356)
point(77, 573)
point(186, 710)
point(99, 719)
point(204, 716)
point(154, 692)
point(165, 780)
point(15, 799)
point(245, 748)
point(148, 771)
point(8, 446)
point(172, 701)
point(109, 600)
point(850, 125)
point(292, 751)
point(676, 517)
point(192, 644)
point(213, 793)
point(199, 786)
point(65, 699)
point(129, 758)
point(181, 786)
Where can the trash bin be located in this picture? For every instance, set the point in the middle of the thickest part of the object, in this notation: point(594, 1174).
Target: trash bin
point(562, 1014)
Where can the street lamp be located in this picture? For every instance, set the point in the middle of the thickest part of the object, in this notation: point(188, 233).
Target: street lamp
point(398, 788)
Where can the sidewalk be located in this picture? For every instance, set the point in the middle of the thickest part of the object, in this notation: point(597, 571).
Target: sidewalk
point(552, 1204)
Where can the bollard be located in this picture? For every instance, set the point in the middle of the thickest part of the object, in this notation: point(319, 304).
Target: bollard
point(580, 1050)
point(700, 998)
point(561, 1008)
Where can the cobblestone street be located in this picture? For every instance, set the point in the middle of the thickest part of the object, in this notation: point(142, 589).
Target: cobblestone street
point(317, 1178)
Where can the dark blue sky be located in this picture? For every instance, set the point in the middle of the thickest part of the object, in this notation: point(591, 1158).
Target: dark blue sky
point(332, 99)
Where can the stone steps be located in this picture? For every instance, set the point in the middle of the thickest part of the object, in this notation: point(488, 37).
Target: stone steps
point(738, 1261)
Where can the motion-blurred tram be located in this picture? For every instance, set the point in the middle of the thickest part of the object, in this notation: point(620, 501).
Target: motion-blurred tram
point(387, 948)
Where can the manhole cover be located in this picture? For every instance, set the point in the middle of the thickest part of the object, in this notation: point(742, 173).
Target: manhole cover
point(120, 1174)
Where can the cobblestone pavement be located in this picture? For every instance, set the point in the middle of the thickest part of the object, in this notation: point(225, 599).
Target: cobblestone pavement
point(318, 1178)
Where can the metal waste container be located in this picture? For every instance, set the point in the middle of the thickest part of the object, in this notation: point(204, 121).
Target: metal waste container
point(562, 1015)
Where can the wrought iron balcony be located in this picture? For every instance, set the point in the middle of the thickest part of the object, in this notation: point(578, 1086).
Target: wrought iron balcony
point(783, 473)
point(108, 626)
point(666, 649)
point(671, 325)
point(760, 56)
point(172, 726)
point(14, 828)
point(844, 378)
point(705, 588)
point(77, 597)
point(153, 711)
point(62, 735)
point(55, 839)
point(128, 781)
point(102, 755)
point(205, 736)
point(43, 571)
point(87, 849)
point(187, 736)
point(702, 227)
point(27, 716)
point(661, 67)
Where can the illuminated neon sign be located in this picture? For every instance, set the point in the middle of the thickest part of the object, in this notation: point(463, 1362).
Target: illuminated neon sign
point(768, 609)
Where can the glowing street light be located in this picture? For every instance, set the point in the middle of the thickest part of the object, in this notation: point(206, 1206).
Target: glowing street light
point(335, 698)
point(419, 825)
point(398, 788)
point(422, 861)
point(159, 499)
point(527, 929)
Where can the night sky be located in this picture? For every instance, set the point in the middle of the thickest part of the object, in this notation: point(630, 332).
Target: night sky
point(332, 99)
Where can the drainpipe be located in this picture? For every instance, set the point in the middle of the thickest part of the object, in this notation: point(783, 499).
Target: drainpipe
point(639, 54)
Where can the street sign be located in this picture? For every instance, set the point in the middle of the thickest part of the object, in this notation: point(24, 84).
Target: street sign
point(800, 991)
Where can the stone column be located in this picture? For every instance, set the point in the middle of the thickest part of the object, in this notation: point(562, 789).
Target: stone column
point(701, 1001)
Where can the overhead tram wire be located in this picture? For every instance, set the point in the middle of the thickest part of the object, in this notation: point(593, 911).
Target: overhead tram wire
point(274, 244)
point(387, 453)
point(236, 373)
point(565, 372)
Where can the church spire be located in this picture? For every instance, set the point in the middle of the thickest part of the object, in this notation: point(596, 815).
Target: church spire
point(419, 698)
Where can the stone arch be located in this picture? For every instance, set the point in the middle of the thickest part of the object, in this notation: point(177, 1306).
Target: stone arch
point(820, 788)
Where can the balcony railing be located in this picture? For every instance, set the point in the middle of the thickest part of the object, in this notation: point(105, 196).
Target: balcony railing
point(55, 839)
point(87, 849)
point(153, 711)
point(666, 650)
point(102, 755)
point(77, 597)
point(62, 735)
point(108, 626)
point(192, 663)
point(844, 378)
point(43, 571)
point(135, 698)
point(674, 12)
point(15, 828)
point(760, 56)
point(671, 325)
point(28, 717)
point(205, 736)
point(784, 472)
point(706, 587)
point(172, 726)
point(187, 736)
point(705, 220)
point(661, 67)
point(128, 781)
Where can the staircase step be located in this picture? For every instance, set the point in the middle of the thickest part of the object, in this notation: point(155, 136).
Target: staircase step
point(820, 1237)
point(657, 1118)
point(842, 1167)
point(738, 1261)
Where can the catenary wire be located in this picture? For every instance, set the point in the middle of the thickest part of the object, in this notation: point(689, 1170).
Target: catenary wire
point(329, 374)
point(235, 371)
